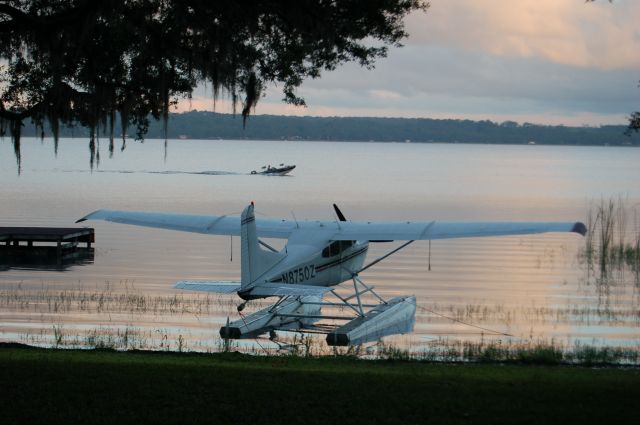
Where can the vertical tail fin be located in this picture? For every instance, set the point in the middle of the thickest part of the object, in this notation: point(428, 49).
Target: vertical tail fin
point(255, 261)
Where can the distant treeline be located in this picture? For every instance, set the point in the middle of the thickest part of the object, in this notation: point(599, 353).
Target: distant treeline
point(211, 125)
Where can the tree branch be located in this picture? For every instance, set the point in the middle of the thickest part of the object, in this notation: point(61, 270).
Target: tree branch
point(62, 91)
point(26, 22)
point(12, 116)
point(16, 14)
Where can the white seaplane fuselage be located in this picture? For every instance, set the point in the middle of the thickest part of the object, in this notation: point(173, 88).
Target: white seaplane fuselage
point(309, 259)
point(303, 264)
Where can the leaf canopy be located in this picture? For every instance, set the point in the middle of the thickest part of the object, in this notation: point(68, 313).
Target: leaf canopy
point(70, 62)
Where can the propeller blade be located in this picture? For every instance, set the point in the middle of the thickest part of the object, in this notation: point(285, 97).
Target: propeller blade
point(339, 213)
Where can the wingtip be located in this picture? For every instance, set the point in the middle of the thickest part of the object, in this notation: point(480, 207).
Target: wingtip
point(580, 228)
point(91, 216)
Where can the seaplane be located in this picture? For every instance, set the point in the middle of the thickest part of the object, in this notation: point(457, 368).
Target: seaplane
point(318, 257)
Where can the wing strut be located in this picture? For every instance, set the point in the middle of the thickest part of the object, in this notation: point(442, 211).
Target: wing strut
point(384, 256)
point(266, 245)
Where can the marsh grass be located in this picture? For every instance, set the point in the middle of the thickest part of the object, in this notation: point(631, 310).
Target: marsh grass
point(226, 345)
point(304, 346)
point(114, 310)
point(542, 352)
point(531, 314)
point(392, 352)
point(58, 335)
point(508, 350)
point(123, 298)
point(612, 243)
point(107, 302)
point(445, 350)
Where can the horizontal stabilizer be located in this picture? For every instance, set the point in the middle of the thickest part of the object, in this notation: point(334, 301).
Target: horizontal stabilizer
point(221, 286)
point(283, 290)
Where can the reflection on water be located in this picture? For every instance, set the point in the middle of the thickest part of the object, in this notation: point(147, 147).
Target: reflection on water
point(512, 290)
point(203, 173)
point(44, 258)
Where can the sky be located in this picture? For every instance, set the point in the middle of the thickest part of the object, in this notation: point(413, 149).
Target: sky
point(538, 61)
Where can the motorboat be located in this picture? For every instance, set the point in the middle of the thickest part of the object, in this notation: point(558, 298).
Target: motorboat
point(280, 170)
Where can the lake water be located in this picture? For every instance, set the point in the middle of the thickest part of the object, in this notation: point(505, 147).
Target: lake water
point(514, 289)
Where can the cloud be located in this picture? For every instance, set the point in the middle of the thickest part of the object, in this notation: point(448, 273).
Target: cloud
point(543, 61)
point(599, 34)
point(424, 77)
point(384, 94)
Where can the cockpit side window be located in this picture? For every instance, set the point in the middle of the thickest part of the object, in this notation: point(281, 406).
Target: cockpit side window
point(329, 251)
point(335, 248)
point(345, 244)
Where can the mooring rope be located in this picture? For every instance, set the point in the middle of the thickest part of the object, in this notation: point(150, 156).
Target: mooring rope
point(465, 323)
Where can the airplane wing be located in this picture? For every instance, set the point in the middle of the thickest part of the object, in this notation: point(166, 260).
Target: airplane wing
point(344, 230)
point(448, 229)
point(208, 224)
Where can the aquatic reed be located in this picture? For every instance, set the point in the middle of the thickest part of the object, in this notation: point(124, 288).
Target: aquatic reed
point(612, 243)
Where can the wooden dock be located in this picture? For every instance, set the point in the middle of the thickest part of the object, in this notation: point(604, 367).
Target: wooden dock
point(54, 243)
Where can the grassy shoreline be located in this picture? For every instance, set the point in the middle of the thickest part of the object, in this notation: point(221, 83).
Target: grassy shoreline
point(90, 386)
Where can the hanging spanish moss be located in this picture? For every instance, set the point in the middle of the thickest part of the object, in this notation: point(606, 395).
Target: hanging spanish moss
point(16, 128)
point(166, 148)
point(92, 151)
point(112, 119)
point(97, 152)
point(55, 128)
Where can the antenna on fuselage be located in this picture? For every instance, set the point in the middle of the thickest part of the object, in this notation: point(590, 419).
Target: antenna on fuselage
point(295, 219)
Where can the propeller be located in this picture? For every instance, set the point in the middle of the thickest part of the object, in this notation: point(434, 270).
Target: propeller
point(339, 213)
point(342, 218)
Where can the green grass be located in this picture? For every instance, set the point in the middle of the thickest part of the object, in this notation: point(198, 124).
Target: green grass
point(103, 387)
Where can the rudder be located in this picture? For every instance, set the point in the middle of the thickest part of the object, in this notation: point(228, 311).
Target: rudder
point(255, 261)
